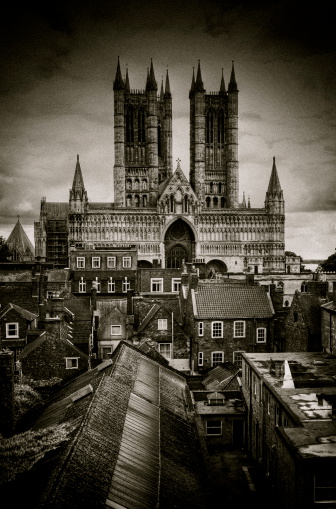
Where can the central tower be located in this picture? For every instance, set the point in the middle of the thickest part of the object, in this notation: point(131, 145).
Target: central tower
point(214, 143)
point(142, 140)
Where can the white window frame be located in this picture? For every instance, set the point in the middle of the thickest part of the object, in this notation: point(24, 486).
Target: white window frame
point(238, 334)
point(96, 284)
point(126, 285)
point(10, 329)
point(82, 285)
point(111, 262)
point(210, 425)
point(96, 262)
point(116, 330)
point(262, 330)
point(200, 328)
point(176, 284)
point(80, 262)
point(127, 262)
point(240, 362)
point(111, 285)
point(216, 333)
point(213, 354)
point(160, 345)
point(162, 324)
point(156, 285)
point(67, 362)
point(200, 359)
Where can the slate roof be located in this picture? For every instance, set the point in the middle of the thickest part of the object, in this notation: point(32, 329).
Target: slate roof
point(19, 241)
point(218, 300)
point(135, 443)
point(59, 210)
point(17, 276)
point(221, 376)
point(22, 312)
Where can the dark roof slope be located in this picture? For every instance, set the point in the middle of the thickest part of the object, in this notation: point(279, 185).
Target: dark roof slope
point(135, 444)
point(218, 300)
point(22, 312)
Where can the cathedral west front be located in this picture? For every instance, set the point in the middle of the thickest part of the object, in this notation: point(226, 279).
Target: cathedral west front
point(167, 218)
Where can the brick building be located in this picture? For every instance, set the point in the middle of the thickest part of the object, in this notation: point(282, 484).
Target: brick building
point(15, 324)
point(291, 426)
point(226, 318)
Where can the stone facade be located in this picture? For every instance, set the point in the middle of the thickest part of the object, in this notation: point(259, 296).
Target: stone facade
point(169, 219)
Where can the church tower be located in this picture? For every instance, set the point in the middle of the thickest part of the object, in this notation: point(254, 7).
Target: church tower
point(214, 143)
point(142, 140)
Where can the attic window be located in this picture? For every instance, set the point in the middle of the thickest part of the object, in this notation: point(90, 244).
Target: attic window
point(216, 399)
point(12, 330)
point(71, 362)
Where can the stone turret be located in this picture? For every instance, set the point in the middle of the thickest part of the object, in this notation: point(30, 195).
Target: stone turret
point(197, 134)
point(119, 138)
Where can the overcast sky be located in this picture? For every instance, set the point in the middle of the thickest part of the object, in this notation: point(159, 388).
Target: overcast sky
point(59, 61)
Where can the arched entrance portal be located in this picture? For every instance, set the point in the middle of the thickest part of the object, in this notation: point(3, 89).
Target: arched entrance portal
point(215, 266)
point(179, 244)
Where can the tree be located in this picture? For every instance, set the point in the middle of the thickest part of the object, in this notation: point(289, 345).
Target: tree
point(5, 251)
point(329, 265)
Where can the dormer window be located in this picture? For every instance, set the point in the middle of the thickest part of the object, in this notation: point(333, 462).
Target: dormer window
point(12, 330)
point(216, 398)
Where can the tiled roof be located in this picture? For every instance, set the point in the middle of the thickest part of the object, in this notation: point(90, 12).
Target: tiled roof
point(135, 444)
point(22, 312)
point(217, 300)
point(18, 240)
point(220, 376)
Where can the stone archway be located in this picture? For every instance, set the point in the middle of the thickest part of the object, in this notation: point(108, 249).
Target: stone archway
point(215, 266)
point(179, 244)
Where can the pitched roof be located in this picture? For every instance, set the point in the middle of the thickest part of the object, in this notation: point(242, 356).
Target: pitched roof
point(221, 376)
point(218, 300)
point(21, 311)
point(19, 241)
point(134, 426)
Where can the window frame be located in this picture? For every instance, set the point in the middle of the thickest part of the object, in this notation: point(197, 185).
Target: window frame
point(110, 285)
point(80, 262)
point(95, 262)
point(111, 262)
point(322, 476)
point(164, 324)
point(106, 347)
point(126, 285)
point(219, 334)
point(211, 425)
point(16, 330)
point(214, 353)
point(200, 358)
point(176, 281)
point(82, 285)
point(240, 362)
point(170, 349)
point(257, 334)
point(127, 262)
point(156, 281)
point(236, 323)
point(200, 327)
point(119, 329)
point(71, 359)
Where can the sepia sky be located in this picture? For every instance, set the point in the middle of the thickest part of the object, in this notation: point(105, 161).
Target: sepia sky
point(58, 64)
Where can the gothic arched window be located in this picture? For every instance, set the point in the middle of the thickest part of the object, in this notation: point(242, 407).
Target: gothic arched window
point(141, 126)
point(207, 202)
point(129, 127)
point(172, 203)
point(137, 200)
point(220, 127)
point(209, 127)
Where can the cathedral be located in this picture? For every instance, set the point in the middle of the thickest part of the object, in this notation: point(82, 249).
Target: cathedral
point(167, 218)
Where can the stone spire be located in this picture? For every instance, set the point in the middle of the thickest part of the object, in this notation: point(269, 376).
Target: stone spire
point(151, 81)
point(222, 90)
point(78, 182)
point(167, 87)
point(274, 183)
point(118, 82)
point(233, 84)
point(274, 202)
point(199, 83)
point(78, 196)
point(127, 84)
